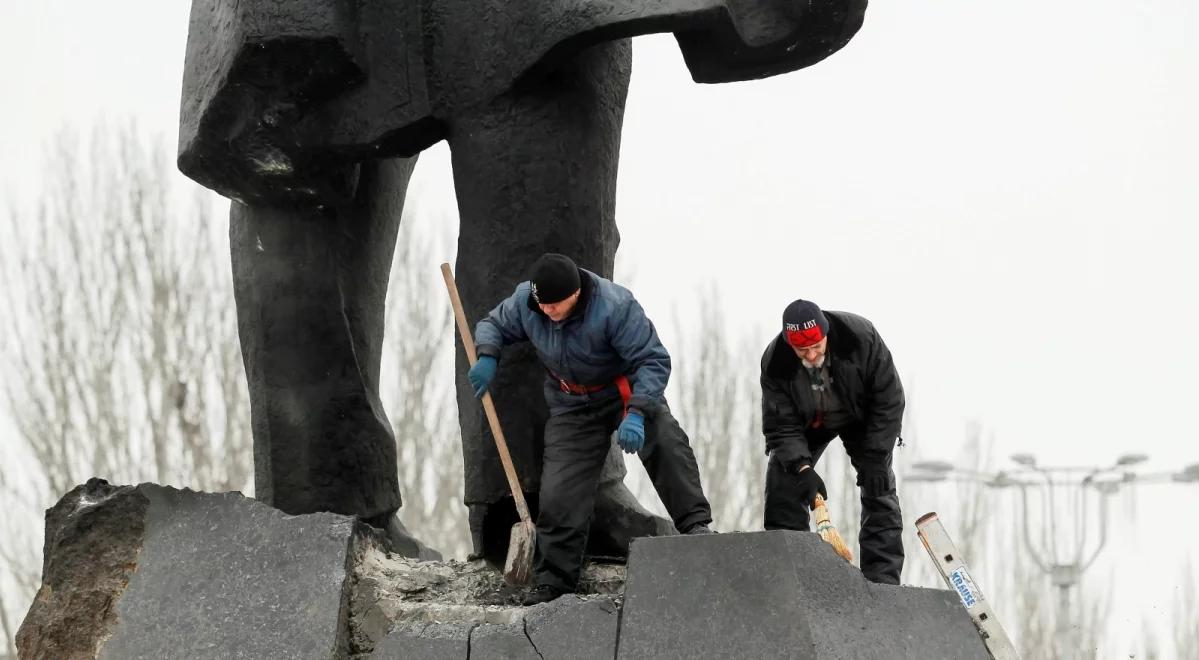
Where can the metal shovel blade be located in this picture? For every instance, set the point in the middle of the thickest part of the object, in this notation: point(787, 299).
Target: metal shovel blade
point(518, 566)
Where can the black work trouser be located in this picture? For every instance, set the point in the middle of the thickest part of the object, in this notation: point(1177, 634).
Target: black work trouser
point(880, 539)
point(576, 444)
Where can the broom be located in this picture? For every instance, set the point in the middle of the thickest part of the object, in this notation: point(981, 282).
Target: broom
point(829, 533)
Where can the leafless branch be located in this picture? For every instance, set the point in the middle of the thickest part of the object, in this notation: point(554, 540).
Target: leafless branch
point(121, 353)
point(418, 390)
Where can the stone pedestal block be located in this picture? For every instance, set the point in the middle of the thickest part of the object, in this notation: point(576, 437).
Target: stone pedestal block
point(779, 594)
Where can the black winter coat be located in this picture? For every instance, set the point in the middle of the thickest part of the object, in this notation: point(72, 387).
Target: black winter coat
point(863, 375)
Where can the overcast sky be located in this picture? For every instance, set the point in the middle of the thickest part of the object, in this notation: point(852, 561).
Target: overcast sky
point(1010, 190)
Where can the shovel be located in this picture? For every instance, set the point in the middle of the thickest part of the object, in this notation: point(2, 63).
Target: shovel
point(518, 566)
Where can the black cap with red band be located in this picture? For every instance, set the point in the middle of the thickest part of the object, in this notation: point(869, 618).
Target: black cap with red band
point(804, 324)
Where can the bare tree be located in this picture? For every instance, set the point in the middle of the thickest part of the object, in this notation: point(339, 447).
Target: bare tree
point(9, 632)
point(967, 510)
point(986, 525)
point(717, 401)
point(124, 353)
point(1022, 599)
point(1025, 600)
point(1094, 609)
point(418, 364)
point(1150, 649)
point(1185, 629)
point(18, 579)
point(121, 357)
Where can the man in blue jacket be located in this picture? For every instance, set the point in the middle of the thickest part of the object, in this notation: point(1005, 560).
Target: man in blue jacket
point(606, 370)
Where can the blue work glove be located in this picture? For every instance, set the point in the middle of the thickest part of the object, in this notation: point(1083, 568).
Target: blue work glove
point(482, 373)
point(631, 434)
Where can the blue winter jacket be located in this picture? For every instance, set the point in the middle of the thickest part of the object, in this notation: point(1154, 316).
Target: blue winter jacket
point(606, 335)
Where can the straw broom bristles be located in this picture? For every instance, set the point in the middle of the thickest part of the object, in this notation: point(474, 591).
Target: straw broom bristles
point(829, 533)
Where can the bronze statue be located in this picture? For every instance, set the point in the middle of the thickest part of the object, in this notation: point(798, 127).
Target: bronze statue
point(310, 115)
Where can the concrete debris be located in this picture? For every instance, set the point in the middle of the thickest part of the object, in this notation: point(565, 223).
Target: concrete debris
point(399, 602)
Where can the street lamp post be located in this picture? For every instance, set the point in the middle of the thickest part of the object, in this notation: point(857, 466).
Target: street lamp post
point(1066, 489)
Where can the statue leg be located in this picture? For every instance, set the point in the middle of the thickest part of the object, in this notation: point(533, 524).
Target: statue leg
point(310, 284)
point(535, 171)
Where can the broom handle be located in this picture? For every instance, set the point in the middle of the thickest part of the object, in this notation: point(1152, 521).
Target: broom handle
point(493, 419)
point(820, 509)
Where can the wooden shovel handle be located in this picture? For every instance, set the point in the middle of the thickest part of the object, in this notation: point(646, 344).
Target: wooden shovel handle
point(493, 419)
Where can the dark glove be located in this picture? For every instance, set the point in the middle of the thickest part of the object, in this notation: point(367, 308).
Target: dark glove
point(481, 374)
point(631, 434)
point(810, 483)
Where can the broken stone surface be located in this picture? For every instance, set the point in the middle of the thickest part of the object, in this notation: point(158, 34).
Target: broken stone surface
point(779, 594)
point(93, 538)
point(202, 575)
point(397, 597)
point(504, 641)
point(574, 627)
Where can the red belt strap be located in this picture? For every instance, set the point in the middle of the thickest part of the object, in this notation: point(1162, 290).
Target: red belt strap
point(575, 388)
point(626, 391)
point(621, 382)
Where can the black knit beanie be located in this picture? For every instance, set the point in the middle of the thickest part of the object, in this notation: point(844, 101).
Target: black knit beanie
point(554, 277)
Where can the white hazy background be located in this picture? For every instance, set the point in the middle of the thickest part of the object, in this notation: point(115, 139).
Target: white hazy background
point(1010, 190)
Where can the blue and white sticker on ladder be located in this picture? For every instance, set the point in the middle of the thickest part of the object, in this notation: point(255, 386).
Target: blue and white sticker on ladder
point(962, 583)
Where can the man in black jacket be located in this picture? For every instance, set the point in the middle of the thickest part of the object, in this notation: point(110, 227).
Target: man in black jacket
point(829, 374)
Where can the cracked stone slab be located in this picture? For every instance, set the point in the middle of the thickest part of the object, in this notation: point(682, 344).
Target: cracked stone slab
point(506, 641)
point(431, 641)
point(779, 594)
point(574, 627)
point(570, 628)
point(206, 576)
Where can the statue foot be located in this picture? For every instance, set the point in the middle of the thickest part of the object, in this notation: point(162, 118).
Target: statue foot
point(619, 518)
point(396, 538)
